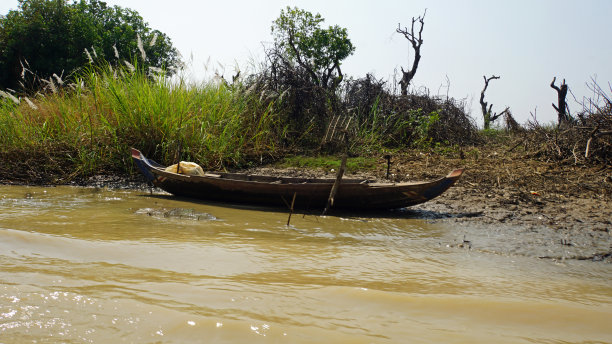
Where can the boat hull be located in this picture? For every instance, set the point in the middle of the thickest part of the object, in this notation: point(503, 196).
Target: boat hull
point(279, 191)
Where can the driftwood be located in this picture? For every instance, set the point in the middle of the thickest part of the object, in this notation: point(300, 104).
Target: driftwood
point(585, 139)
point(594, 134)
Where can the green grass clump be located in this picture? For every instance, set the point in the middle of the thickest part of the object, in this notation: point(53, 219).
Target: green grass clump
point(357, 164)
point(105, 111)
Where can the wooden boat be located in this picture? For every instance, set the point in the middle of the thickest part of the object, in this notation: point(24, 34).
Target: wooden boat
point(309, 193)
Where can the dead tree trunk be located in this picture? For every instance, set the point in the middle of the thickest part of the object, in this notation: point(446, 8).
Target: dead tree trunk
point(487, 116)
point(561, 106)
point(416, 41)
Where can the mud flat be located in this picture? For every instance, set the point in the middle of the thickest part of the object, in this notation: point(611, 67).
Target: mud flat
point(506, 221)
point(512, 204)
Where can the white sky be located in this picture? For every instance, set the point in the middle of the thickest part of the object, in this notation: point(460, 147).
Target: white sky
point(524, 42)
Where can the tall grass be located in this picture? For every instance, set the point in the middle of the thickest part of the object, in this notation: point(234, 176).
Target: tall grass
point(88, 125)
point(92, 123)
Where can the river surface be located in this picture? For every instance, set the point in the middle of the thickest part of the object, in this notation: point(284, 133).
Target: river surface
point(81, 265)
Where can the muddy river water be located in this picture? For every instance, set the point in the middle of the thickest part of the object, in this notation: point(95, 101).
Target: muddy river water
point(81, 265)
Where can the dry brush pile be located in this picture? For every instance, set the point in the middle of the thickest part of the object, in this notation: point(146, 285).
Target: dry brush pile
point(374, 114)
point(406, 120)
point(585, 139)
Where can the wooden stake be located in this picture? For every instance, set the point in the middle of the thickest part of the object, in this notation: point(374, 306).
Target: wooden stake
point(291, 209)
point(178, 157)
point(334, 189)
point(388, 157)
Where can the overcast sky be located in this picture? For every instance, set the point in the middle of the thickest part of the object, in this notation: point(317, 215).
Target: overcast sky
point(526, 43)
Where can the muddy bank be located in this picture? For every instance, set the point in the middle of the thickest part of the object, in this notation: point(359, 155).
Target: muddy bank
point(505, 203)
point(511, 204)
point(506, 221)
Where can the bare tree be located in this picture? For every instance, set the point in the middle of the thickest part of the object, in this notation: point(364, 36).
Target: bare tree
point(561, 106)
point(487, 116)
point(416, 40)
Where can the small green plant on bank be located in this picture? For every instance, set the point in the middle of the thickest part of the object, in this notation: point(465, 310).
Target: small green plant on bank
point(496, 135)
point(421, 125)
point(357, 164)
point(446, 149)
point(493, 132)
point(371, 130)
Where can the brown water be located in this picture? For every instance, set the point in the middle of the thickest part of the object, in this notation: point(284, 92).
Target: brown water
point(82, 265)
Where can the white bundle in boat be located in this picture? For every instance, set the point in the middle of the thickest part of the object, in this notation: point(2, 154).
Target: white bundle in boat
point(186, 167)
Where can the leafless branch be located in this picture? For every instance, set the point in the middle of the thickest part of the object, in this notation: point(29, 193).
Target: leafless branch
point(486, 112)
point(416, 40)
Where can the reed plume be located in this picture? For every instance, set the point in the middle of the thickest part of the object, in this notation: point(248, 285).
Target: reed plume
point(88, 56)
point(141, 48)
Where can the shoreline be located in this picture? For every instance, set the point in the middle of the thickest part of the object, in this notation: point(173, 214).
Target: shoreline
point(508, 223)
point(502, 204)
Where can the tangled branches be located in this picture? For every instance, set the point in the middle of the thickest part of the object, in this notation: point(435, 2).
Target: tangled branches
point(585, 140)
point(301, 101)
point(406, 120)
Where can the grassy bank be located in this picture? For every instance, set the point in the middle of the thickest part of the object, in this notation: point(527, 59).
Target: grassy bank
point(88, 126)
point(78, 128)
point(74, 129)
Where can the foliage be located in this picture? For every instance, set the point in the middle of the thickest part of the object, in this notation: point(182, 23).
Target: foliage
point(318, 50)
point(422, 124)
point(302, 72)
point(45, 37)
point(96, 120)
point(493, 133)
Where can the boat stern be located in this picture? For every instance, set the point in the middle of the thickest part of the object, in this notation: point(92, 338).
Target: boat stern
point(143, 165)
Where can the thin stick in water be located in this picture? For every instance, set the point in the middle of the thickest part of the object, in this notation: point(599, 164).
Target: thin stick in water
point(291, 209)
point(334, 189)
